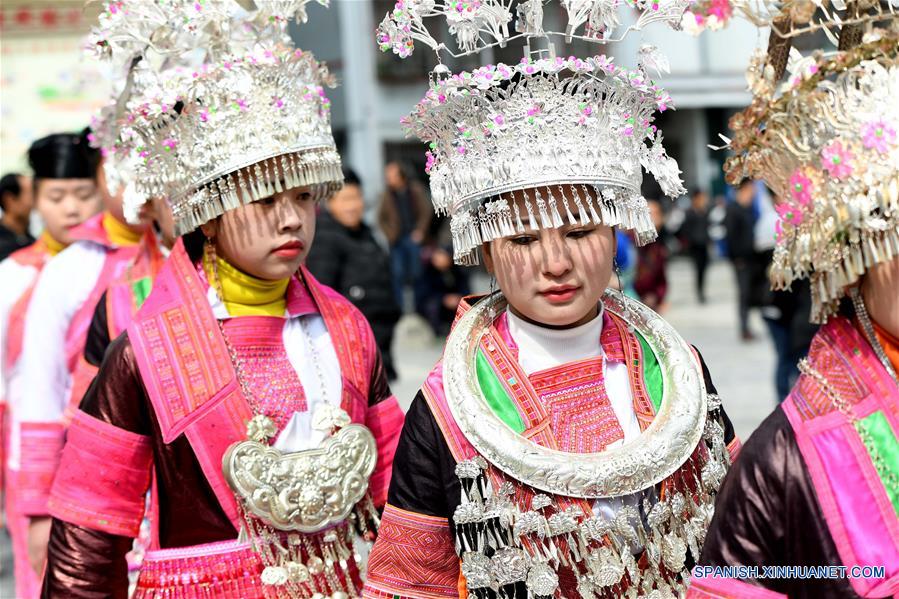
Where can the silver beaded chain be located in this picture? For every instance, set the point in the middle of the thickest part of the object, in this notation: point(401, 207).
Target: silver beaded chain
point(308, 344)
point(862, 312)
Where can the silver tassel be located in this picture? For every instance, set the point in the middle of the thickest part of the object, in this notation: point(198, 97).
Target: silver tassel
point(593, 216)
point(568, 214)
point(541, 208)
point(519, 226)
point(554, 210)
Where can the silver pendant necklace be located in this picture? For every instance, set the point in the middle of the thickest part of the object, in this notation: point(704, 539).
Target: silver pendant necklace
point(862, 312)
point(296, 506)
point(653, 456)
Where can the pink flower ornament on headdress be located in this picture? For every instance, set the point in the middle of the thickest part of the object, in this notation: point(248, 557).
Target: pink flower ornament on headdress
point(878, 135)
point(801, 188)
point(789, 213)
point(836, 159)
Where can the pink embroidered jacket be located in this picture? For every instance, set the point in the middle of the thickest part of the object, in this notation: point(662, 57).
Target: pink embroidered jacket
point(806, 490)
point(165, 406)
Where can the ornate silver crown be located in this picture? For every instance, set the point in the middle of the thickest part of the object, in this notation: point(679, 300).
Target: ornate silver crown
point(247, 128)
point(222, 110)
point(829, 148)
point(574, 134)
point(825, 138)
point(560, 125)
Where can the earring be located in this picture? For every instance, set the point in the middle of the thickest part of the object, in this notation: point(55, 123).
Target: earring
point(492, 299)
point(210, 258)
point(617, 269)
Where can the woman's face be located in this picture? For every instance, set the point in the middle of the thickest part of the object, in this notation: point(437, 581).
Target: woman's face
point(269, 238)
point(66, 203)
point(553, 277)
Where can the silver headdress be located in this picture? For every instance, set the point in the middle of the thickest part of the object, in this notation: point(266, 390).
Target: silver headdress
point(827, 142)
point(225, 111)
point(574, 134)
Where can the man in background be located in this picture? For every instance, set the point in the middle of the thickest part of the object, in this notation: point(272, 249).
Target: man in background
point(346, 257)
point(740, 225)
point(404, 217)
point(695, 234)
point(16, 201)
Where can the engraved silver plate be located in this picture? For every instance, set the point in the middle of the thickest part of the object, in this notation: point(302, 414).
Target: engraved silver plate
point(660, 450)
point(305, 491)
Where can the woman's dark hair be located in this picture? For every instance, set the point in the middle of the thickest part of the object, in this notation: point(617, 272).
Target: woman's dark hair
point(350, 177)
point(9, 184)
point(193, 244)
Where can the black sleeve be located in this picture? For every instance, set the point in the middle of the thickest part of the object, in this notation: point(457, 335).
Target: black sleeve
point(97, 335)
point(117, 394)
point(85, 564)
point(424, 479)
point(767, 514)
point(379, 388)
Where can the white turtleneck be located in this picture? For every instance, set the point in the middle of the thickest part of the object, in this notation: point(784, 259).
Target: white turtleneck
point(540, 348)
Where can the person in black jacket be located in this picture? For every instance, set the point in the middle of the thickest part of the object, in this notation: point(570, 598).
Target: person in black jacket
point(695, 233)
point(740, 225)
point(346, 257)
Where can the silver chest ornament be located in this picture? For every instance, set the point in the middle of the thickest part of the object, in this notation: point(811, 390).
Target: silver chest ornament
point(304, 491)
point(517, 551)
point(298, 507)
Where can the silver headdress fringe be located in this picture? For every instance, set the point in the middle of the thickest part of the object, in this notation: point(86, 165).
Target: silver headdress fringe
point(319, 168)
point(575, 134)
point(549, 206)
point(219, 108)
point(828, 145)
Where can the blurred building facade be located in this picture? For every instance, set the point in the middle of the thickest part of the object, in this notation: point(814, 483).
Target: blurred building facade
point(47, 84)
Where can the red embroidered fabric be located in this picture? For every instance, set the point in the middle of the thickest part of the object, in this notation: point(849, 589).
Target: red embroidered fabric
point(259, 345)
point(567, 407)
point(385, 421)
point(412, 547)
point(117, 462)
point(228, 570)
point(581, 417)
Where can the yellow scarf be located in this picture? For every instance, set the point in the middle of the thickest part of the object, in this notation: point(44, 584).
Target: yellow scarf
point(120, 234)
point(245, 295)
point(53, 246)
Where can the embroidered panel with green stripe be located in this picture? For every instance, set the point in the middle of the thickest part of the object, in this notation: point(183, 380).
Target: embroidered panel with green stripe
point(505, 409)
point(140, 289)
point(880, 441)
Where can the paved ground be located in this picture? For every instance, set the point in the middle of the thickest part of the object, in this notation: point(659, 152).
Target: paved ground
point(743, 372)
